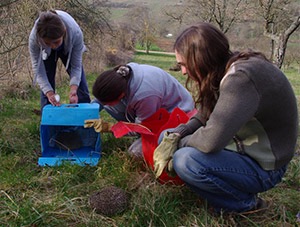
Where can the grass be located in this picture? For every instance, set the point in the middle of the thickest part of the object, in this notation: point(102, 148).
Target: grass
point(31, 195)
point(153, 47)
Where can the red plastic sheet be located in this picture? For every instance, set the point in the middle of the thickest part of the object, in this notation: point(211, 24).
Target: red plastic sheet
point(150, 131)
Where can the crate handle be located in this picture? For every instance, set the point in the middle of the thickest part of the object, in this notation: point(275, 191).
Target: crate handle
point(69, 160)
point(71, 105)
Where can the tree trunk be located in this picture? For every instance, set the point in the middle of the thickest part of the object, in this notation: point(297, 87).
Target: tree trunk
point(283, 40)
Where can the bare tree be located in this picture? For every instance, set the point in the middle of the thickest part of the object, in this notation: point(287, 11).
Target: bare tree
point(91, 14)
point(13, 43)
point(144, 25)
point(17, 18)
point(223, 13)
point(282, 19)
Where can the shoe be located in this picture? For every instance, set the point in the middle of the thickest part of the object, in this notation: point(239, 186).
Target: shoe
point(261, 206)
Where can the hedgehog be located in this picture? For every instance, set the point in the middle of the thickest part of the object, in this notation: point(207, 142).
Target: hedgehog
point(109, 201)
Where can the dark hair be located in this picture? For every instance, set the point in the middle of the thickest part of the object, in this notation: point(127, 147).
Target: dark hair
point(205, 51)
point(110, 84)
point(50, 25)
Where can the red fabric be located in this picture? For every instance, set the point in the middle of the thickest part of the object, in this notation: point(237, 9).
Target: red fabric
point(122, 128)
point(155, 124)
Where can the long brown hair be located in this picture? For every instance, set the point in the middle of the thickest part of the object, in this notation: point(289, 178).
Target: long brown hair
point(207, 55)
point(50, 25)
point(206, 51)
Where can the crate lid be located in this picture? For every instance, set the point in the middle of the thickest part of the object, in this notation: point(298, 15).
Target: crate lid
point(69, 114)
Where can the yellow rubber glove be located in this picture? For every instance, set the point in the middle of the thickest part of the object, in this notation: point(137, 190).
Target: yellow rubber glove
point(98, 124)
point(164, 152)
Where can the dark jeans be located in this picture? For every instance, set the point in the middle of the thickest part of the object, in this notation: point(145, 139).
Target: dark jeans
point(228, 180)
point(50, 66)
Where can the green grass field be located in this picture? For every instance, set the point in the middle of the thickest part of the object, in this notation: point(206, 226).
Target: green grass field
point(31, 195)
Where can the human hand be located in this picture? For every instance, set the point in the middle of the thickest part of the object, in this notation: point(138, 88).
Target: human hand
point(164, 152)
point(73, 94)
point(53, 98)
point(98, 124)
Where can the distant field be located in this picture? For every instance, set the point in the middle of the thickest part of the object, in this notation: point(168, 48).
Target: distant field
point(243, 35)
point(157, 8)
point(162, 61)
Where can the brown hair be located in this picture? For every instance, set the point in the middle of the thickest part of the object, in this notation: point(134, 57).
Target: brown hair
point(207, 55)
point(110, 84)
point(50, 25)
point(206, 52)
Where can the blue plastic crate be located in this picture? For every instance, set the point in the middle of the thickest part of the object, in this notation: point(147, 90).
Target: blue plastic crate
point(63, 137)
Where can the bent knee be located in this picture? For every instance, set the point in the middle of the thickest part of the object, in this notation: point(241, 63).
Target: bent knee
point(185, 158)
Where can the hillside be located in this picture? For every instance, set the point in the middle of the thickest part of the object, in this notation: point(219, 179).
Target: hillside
point(152, 4)
point(156, 9)
point(245, 34)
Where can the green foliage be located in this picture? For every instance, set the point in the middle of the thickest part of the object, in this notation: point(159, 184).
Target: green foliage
point(58, 196)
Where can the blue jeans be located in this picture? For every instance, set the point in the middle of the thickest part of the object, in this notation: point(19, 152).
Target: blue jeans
point(50, 66)
point(229, 181)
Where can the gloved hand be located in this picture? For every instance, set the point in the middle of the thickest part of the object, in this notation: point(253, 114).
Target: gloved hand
point(164, 152)
point(98, 124)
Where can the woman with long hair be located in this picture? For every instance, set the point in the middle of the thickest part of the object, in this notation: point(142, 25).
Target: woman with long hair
point(243, 137)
